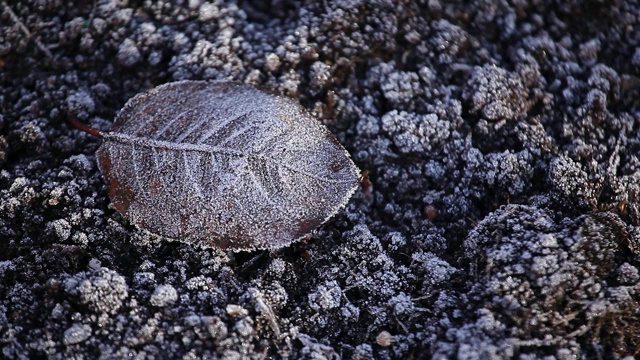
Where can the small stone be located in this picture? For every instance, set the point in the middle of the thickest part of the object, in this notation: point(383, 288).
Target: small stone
point(76, 334)
point(384, 339)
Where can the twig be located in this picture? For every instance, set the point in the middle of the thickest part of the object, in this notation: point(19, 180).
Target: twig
point(25, 30)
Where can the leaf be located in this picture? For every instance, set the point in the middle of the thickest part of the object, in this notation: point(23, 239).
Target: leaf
point(223, 164)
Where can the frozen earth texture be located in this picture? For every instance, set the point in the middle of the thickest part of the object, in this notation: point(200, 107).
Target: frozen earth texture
point(499, 217)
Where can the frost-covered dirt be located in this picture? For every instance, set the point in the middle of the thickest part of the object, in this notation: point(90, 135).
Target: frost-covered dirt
point(499, 219)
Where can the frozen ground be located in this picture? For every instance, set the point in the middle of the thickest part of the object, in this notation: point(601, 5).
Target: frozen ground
point(501, 140)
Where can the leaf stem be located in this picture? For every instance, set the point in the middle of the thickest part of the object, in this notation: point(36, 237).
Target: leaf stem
point(88, 129)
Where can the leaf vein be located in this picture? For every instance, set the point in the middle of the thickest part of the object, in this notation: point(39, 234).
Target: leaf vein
point(208, 149)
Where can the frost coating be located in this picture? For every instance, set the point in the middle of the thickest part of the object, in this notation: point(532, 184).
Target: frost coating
point(76, 334)
point(102, 291)
point(223, 164)
point(164, 295)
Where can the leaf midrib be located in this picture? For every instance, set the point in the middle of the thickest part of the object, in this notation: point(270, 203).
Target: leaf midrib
point(207, 149)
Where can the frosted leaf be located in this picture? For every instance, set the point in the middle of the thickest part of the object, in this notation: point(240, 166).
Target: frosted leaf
point(224, 164)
